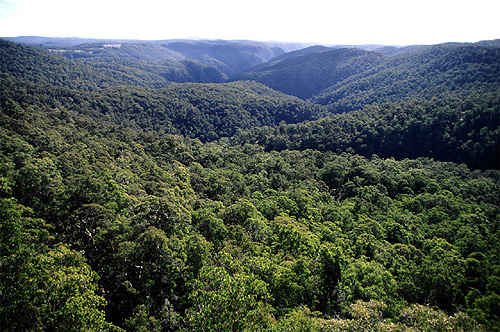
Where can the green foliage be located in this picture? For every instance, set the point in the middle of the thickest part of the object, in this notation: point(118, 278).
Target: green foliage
point(30, 64)
point(225, 298)
point(306, 75)
point(367, 316)
point(362, 280)
point(203, 111)
point(44, 286)
point(300, 319)
point(427, 72)
point(112, 217)
point(462, 128)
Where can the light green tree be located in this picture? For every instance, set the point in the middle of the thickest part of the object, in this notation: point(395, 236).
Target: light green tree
point(226, 298)
point(43, 287)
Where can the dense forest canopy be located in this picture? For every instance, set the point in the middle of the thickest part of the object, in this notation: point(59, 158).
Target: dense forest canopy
point(244, 186)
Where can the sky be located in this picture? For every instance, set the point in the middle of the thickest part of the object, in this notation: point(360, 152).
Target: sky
point(351, 22)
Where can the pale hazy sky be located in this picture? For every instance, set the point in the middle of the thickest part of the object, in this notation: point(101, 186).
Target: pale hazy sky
point(401, 22)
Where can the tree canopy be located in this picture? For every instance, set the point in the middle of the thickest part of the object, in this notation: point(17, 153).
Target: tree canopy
point(235, 207)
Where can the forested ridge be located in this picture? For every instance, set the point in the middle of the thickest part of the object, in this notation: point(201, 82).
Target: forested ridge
point(463, 128)
point(134, 203)
point(304, 76)
point(348, 79)
point(203, 111)
point(424, 73)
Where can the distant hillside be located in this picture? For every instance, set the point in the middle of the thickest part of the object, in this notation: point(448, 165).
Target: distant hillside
point(306, 73)
point(347, 79)
point(114, 49)
point(94, 66)
point(32, 64)
point(226, 57)
point(425, 72)
point(289, 55)
point(230, 57)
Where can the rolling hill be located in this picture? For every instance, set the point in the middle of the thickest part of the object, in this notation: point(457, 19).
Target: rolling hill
point(426, 73)
point(306, 73)
point(225, 57)
point(347, 79)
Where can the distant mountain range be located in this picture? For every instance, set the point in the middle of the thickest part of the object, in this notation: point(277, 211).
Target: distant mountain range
point(228, 57)
point(185, 60)
point(342, 78)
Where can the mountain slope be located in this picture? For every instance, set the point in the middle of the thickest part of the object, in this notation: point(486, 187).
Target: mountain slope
point(463, 128)
point(94, 66)
point(348, 79)
point(426, 72)
point(305, 75)
point(204, 111)
point(229, 57)
point(149, 57)
point(31, 64)
point(289, 55)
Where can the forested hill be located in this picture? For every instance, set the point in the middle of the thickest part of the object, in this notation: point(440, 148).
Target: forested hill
point(348, 79)
point(230, 57)
point(129, 202)
point(424, 73)
point(464, 128)
point(203, 111)
point(305, 75)
point(175, 60)
point(30, 64)
point(43, 67)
